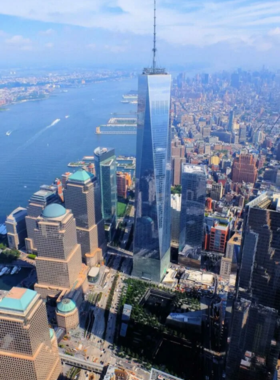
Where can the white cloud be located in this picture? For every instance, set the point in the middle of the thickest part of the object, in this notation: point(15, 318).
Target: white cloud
point(47, 32)
point(196, 22)
point(18, 40)
point(274, 32)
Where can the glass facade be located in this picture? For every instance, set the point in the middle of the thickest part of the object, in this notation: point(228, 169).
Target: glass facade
point(106, 172)
point(254, 346)
point(153, 178)
point(192, 211)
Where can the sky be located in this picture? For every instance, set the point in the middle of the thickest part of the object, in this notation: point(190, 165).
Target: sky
point(193, 34)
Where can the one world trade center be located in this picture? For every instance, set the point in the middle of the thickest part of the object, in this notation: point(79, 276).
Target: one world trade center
point(151, 246)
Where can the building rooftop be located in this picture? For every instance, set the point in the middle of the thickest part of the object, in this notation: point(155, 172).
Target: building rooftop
point(18, 299)
point(80, 176)
point(66, 306)
point(220, 227)
point(17, 214)
point(159, 375)
point(235, 239)
point(93, 272)
point(53, 210)
point(188, 168)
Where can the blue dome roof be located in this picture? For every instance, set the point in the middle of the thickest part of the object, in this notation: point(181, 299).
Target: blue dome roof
point(66, 306)
point(53, 210)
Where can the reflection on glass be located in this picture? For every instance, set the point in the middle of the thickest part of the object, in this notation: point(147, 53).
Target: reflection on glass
point(152, 215)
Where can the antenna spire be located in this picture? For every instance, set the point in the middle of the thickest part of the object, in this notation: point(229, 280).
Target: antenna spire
point(155, 36)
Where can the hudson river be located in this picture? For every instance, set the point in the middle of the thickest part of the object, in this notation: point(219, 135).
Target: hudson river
point(36, 153)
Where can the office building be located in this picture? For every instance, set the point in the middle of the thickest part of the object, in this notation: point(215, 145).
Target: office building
point(105, 167)
point(244, 169)
point(59, 261)
point(218, 238)
point(233, 250)
point(278, 152)
point(192, 213)
point(175, 219)
point(231, 121)
point(91, 168)
point(242, 133)
point(36, 205)
point(123, 183)
point(177, 169)
point(16, 228)
point(216, 191)
point(151, 248)
point(28, 348)
point(67, 314)
point(253, 343)
point(225, 268)
point(83, 198)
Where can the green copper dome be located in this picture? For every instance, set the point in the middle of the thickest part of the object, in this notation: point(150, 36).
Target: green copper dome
point(81, 176)
point(53, 210)
point(66, 306)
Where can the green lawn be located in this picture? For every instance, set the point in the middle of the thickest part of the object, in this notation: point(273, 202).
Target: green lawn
point(121, 209)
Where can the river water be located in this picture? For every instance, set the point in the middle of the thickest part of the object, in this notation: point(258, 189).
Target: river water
point(36, 152)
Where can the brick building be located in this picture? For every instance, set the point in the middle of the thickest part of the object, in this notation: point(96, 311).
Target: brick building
point(244, 169)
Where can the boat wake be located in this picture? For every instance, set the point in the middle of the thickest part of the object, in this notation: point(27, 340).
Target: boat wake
point(22, 147)
point(53, 123)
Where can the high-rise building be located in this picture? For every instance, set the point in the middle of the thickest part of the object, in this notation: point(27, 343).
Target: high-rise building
point(175, 218)
point(106, 172)
point(16, 228)
point(242, 133)
point(83, 198)
point(225, 268)
point(231, 121)
point(36, 205)
point(123, 183)
point(253, 343)
point(216, 191)
point(278, 152)
point(244, 169)
point(151, 248)
point(28, 348)
point(177, 158)
point(192, 213)
point(59, 261)
point(218, 238)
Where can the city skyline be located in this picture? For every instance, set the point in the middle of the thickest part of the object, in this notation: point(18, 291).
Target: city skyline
point(155, 254)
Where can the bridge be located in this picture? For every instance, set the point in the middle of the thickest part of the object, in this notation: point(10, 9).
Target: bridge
point(80, 363)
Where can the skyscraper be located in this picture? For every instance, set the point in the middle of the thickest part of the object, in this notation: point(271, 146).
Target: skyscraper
point(28, 348)
point(231, 121)
point(82, 197)
point(244, 169)
point(151, 252)
point(254, 338)
point(106, 172)
point(192, 213)
point(37, 203)
point(16, 228)
point(59, 261)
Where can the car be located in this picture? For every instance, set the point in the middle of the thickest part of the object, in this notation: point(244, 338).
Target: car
point(101, 362)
